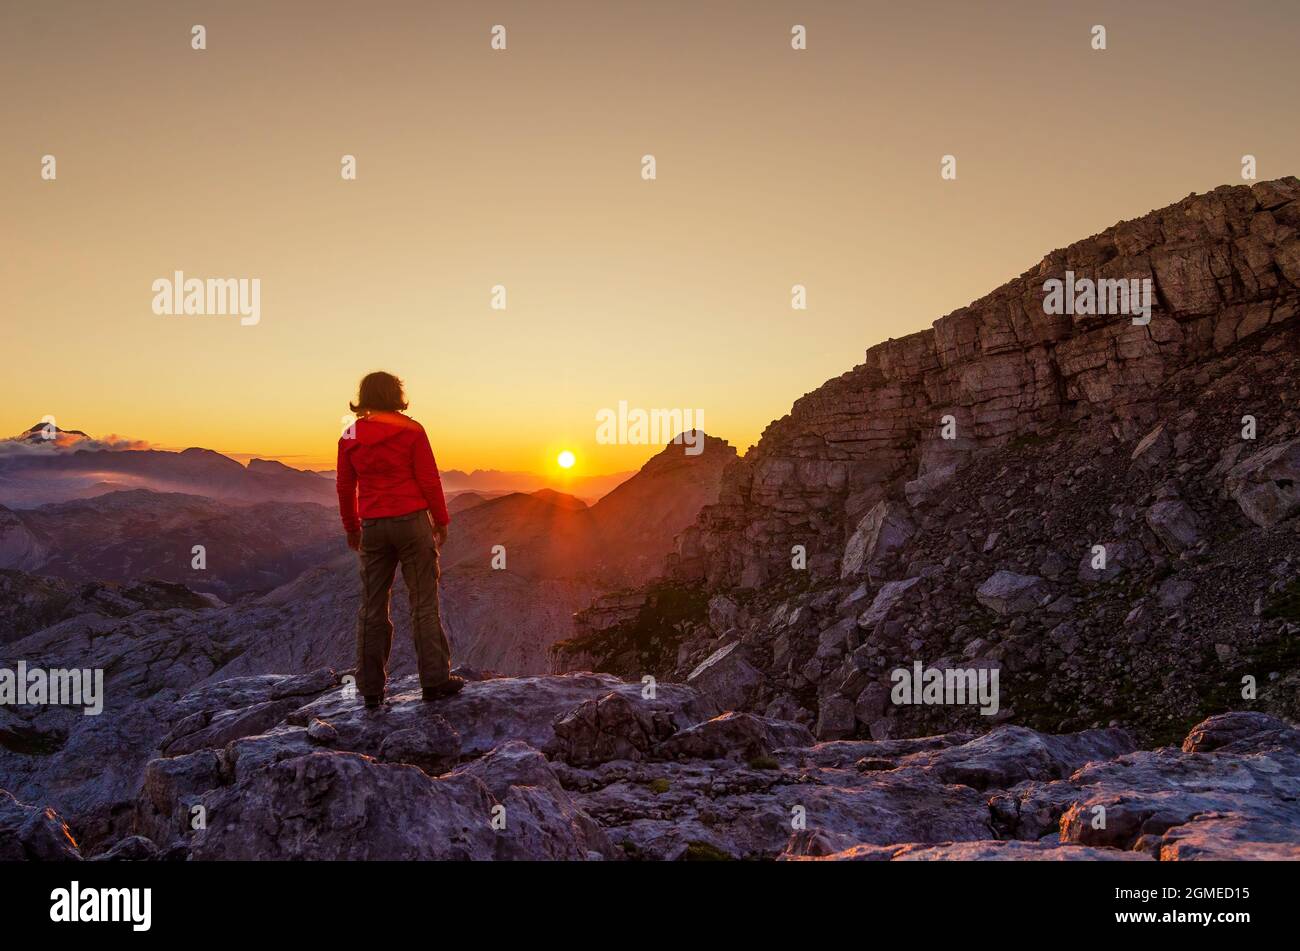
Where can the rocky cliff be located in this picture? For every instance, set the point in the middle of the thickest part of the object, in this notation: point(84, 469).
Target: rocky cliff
point(1224, 267)
point(1100, 510)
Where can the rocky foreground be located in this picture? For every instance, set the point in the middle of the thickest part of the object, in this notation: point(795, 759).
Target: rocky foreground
point(584, 766)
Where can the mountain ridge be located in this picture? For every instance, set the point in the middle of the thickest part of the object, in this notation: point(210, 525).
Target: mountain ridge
point(884, 415)
point(854, 538)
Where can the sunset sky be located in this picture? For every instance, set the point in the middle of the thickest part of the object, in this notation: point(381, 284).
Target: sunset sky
point(523, 168)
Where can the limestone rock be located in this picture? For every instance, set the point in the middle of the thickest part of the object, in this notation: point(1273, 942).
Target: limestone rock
point(134, 848)
point(882, 531)
point(890, 595)
point(727, 677)
point(342, 806)
point(1175, 523)
point(32, 833)
point(1240, 732)
point(1155, 448)
point(835, 718)
point(1120, 556)
point(1006, 592)
point(613, 727)
point(1267, 484)
point(433, 746)
point(733, 735)
point(923, 488)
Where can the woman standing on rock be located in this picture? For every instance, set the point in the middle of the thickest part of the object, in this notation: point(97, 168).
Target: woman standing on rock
point(391, 501)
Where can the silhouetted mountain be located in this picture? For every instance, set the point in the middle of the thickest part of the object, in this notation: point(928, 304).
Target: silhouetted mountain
point(464, 500)
point(496, 481)
point(622, 539)
point(641, 519)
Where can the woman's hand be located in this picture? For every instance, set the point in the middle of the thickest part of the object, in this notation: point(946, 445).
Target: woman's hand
point(354, 540)
point(440, 535)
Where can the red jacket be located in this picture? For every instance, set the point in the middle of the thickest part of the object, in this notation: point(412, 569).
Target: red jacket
point(389, 464)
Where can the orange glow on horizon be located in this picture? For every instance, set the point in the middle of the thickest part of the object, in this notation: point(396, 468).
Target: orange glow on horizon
point(671, 293)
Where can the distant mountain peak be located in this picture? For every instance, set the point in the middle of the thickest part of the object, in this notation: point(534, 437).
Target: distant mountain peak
point(561, 499)
point(50, 433)
point(269, 465)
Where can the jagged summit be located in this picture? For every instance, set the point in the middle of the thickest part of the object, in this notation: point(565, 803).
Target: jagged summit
point(1224, 266)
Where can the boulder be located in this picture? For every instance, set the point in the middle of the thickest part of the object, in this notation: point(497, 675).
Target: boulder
point(1176, 525)
point(1266, 485)
point(1006, 592)
point(835, 718)
point(835, 640)
point(134, 848)
point(344, 806)
point(322, 732)
point(921, 490)
point(870, 705)
point(733, 736)
point(172, 786)
point(889, 597)
point(1240, 732)
point(727, 677)
point(883, 530)
point(613, 727)
point(1008, 755)
point(32, 833)
point(1120, 556)
point(433, 746)
point(1235, 797)
point(1154, 449)
point(538, 819)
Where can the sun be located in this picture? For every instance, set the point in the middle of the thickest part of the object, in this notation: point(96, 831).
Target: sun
point(565, 460)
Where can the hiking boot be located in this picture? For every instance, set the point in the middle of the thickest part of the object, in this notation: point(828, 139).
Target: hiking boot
point(448, 687)
point(374, 703)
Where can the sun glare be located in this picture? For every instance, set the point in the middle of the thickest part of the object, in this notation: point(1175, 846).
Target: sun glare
point(566, 459)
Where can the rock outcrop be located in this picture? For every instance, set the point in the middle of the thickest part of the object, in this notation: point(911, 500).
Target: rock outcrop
point(1101, 510)
point(1224, 266)
point(583, 767)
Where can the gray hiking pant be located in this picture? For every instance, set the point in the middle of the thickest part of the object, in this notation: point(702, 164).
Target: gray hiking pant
point(385, 543)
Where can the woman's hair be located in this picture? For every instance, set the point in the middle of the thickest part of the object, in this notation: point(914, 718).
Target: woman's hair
point(379, 392)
